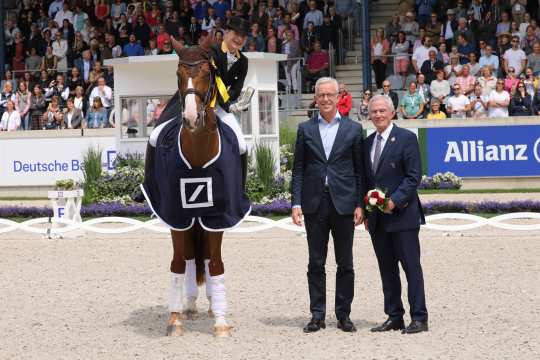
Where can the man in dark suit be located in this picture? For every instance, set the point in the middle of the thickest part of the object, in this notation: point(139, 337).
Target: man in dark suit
point(327, 187)
point(392, 162)
point(386, 90)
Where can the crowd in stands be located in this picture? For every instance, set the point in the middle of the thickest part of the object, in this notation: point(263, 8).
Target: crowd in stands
point(477, 58)
point(55, 49)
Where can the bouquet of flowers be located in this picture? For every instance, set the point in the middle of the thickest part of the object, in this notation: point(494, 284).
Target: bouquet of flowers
point(376, 199)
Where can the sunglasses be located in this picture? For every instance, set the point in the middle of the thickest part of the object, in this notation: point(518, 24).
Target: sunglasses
point(510, 70)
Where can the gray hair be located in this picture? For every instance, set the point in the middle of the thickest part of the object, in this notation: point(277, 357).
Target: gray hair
point(385, 98)
point(325, 80)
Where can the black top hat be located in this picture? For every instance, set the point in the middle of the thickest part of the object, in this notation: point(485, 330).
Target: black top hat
point(238, 24)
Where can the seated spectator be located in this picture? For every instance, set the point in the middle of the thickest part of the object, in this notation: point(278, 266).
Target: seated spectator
point(474, 66)
point(422, 88)
point(440, 88)
point(291, 48)
point(533, 59)
point(85, 64)
point(103, 92)
point(442, 55)
point(511, 81)
point(344, 104)
point(53, 117)
point(167, 47)
point(58, 88)
point(8, 77)
point(515, 58)
point(49, 62)
point(410, 28)
point(530, 81)
point(514, 31)
point(133, 48)
point(74, 80)
point(96, 116)
point(79, 101)
point(452, 70)
point(23, 99)
point(431, 66)
point(499, 99)
point(465, 80)
point(37, 107)
point(256, 37)
point(362, 112)
point(433, 29)
point(6, 95)
point(309, 36)
point(11, 119)
point(33, 62)
point(412, 105)
point(316, 65)
point(521, 103)
point(504, 43)
point(152, 48)
point(314, 15)
point(464, 49)
point(435, 110)
point(73, 117)
point(529, 40)
point(387, 90)
point(479, 103)
point(458, 104)
point(504, 25)
point(487, 81)
point(421, 54)
point(287, 25)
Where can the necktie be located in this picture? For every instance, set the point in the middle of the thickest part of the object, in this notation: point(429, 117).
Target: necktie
point(377, 154)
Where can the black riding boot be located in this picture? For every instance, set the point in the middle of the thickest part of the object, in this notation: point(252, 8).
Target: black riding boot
point(137, 194)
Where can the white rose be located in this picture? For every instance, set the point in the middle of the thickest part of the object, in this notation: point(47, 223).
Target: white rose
point(372, 201)
point(369, 193)
point(381, 195)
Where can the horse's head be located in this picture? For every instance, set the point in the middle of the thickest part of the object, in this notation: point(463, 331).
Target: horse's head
point(196, 86)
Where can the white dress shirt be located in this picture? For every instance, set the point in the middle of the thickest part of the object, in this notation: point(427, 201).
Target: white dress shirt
point(385, 134)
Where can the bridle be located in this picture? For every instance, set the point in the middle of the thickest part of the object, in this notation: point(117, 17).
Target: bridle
point(206, 98)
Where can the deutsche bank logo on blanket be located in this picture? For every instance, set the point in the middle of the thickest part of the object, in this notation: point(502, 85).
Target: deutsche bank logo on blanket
point(196, 192)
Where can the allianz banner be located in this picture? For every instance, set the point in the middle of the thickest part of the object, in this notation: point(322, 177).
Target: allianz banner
point(483, 151)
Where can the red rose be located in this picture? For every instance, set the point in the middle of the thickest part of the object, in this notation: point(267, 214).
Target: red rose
point(375, 194)
point(380, 201)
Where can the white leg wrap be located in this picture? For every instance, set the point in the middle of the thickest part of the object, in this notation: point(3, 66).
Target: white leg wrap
point(176, 293)
point(219, 298)
point(191, 279)
point(207, 278)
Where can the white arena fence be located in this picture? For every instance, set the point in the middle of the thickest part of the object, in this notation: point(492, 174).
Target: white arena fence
point(56, 227)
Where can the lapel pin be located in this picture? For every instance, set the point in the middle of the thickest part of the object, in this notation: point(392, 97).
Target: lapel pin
point(393, 139)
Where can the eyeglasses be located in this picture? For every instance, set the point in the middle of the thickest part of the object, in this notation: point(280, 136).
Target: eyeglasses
point(386, 85)
point(510, 70)
point(322, 96)
point(457, 88)
point(514, 41)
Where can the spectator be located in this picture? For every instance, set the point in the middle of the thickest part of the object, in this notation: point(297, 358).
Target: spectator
point(291, 48)
point(525, 23)
point(327, 33)
point(103, 92)
point(200, 10)
point(425, 8)
point(37, 107)
point(194, 30)
point(102, 11)
point(499, 99)
point(79, 101)
point(309, 36)
point(97, 115)
point(313, 15)
point(514, 31)
point(386, 90)
point(504, 25)
point(521, 103)
point(530, 81)
point(465, 48)
point(153, 15)
point(49, 62)
point(487, 81)
point(33, 62)
point(435, 110)
point(473, 24)
point(57, 88)
point(431, 66)
point(133, 48)
point(260, 16)
point(60, 49)
point(479, 102)
point(54, 7)
point(167, 47)
point(23, 99)
point(29, 80)
point(6, 95)
point(458, 104)
point(533, 59)
point(75, 79)
point(256, 37)
point(363, 111)
point(152, 48)
point(316, 65)
point(410, 27)
point(511, 81)
point(118, 8)
point(221, 8)
point(487, 28)
point(529, 40)
point(400, 51)
point(422, 88)
point(421, 54)
point(11, 119)
point(287, 25)
point(344, 104)
point(273, 44)
point(518, 9)
point(491, 61)
point(452, 70)
point(73, 117)
point(79, 19)
point(380, 49)
point(474, 66)
point(477, 9)
point(460, 9)
point(504, 43)
point(85, 65)
point(142, 32)
point(466, 81)
point(449, 28)
point(434, 28)
point(412, 105)
point(44, 79)
point(53, 116)
point(64, 14)
point(419, 40)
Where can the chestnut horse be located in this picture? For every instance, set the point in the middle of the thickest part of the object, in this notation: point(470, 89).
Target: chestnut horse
point(197, 252)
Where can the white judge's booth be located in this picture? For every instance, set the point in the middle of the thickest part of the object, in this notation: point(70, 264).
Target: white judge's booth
point(32, 161)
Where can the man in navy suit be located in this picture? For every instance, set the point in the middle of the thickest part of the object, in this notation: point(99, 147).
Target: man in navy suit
point(392, 161)
point(327, 187)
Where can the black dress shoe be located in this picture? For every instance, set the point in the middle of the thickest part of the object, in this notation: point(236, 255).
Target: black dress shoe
point(314, 325)
point(415, 327)
point(389, 325)
point(346, 325)
point(137, 195)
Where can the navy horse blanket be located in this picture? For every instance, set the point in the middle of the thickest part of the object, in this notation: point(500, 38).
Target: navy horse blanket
point(180, 194)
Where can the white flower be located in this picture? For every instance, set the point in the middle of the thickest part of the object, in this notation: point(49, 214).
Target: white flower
point(372, 201)
point(369, 193)
point(381, 195)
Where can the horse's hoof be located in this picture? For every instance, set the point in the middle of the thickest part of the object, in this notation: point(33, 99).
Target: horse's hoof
point(190, 314)
point(175, 329)
point(210, 313)
point(222, 331)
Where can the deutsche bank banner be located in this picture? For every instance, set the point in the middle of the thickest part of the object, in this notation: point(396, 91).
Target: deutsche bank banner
point(38, 162)
point(484, 151)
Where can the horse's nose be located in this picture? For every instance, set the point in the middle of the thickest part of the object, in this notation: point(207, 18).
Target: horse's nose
point(190, 110)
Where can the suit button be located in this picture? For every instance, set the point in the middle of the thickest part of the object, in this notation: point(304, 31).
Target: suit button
point(236, 78)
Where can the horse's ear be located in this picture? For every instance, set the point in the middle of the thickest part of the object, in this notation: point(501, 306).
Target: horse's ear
point(206, 44)
point(176, 45)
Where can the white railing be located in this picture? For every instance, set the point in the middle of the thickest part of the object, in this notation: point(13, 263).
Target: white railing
point(51, 229)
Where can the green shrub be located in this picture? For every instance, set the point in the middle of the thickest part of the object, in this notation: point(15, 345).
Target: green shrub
point(287, 136)
point(264, 164)
point(91, 173)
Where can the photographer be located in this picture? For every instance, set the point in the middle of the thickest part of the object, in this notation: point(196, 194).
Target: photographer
point(59, 89)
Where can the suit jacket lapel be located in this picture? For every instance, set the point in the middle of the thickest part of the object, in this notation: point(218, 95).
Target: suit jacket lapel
point(342, 129)
point(367, 153)
point(317, 136)
point(387, 147)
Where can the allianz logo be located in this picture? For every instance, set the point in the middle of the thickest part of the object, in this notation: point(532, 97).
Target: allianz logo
point(477, 151)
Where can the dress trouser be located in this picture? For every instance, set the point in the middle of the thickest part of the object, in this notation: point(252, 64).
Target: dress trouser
point(402, 247)
point(318, 227)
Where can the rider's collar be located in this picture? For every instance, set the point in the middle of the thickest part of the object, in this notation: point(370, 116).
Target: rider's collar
point(225, 49)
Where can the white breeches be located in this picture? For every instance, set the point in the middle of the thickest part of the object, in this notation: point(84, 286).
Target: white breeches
point(176, 293)
point(234, 124)
point(291, 74)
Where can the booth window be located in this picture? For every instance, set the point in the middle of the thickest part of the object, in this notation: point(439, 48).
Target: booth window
point(140, 113)
point(245, 122)
point(266, 112)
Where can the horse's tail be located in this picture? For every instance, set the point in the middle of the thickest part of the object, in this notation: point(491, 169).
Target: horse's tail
point(198, 235)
